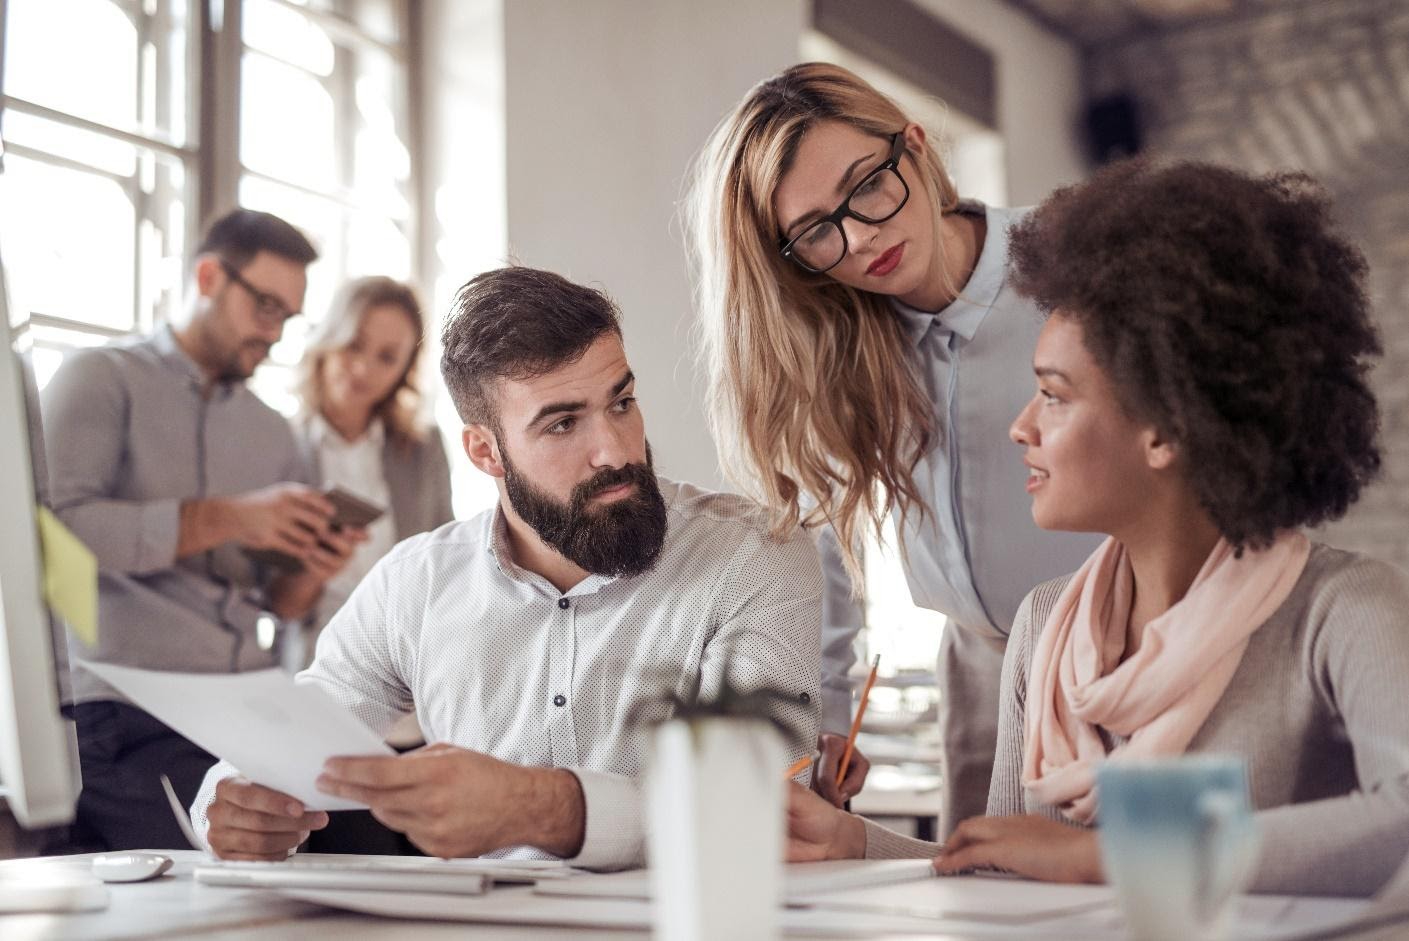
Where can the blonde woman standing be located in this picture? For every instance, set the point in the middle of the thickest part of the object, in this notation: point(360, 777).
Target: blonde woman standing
point(358, 383)
point(865, 356)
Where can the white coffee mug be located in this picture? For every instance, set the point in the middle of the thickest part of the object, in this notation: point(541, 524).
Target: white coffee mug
point(1178, 843)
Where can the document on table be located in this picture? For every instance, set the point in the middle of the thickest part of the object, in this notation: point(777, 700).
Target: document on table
point(994, 906)
point(518, 906)
point(973, 900)
point(276, 732)
point(800, 880)
point(971, 906)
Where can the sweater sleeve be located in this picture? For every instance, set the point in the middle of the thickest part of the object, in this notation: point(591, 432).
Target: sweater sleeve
point(1005, 790)
point(1358, 650)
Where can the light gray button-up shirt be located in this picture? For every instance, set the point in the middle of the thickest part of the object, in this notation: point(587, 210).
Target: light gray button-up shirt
point(493, 658)
point(130, 435)
point(976, 553)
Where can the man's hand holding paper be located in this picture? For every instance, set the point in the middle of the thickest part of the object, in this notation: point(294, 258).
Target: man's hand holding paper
point(454, 802)
point(251, 821)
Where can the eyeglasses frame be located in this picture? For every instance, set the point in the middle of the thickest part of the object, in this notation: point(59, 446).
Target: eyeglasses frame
point(266, 306)
point(892, 162)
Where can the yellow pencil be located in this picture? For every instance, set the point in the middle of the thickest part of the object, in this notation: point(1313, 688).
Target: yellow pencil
point(856, 723)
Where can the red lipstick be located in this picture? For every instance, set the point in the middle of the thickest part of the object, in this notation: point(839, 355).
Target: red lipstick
point(886, 263)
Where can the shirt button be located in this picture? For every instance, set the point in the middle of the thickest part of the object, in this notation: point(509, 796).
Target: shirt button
point(563, 603)
point(560, 700)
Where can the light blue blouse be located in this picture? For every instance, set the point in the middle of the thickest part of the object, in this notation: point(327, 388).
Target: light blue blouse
point(976, 553)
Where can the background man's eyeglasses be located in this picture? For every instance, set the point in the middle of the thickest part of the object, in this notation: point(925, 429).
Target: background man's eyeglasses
point(270, 309)
point(822, 245)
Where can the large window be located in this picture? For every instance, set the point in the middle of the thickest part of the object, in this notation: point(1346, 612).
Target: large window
point(324, 143)
point(110, 167)
point(95, 200)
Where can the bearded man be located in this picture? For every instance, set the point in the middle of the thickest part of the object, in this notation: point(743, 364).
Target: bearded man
point(535, 641)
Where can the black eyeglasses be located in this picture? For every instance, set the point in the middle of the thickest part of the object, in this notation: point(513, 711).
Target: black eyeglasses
point(272, 311)
point(822, 245)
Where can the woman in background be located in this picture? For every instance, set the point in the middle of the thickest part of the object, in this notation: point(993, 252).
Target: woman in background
point(360, 420)
point(1201, 398)
point(865, 355)
point(360, 398)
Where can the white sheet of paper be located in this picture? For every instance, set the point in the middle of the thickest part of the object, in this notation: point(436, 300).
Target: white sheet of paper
point(800, 880)
point(995, 900)
point(276, 732)
point(1024, 910)
point(516, 906)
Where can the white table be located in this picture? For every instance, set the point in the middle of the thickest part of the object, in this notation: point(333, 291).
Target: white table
point(175, 906)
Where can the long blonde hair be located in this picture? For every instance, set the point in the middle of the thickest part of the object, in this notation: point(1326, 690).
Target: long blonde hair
point(400, 411)
point(814, 400)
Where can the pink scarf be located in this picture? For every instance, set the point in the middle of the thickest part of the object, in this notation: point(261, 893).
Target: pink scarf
point(1162, 694)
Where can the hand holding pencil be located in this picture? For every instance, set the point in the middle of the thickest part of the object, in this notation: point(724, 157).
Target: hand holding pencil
point(842, 771)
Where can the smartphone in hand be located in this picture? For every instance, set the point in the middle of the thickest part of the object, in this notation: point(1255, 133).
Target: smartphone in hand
point(349, 511)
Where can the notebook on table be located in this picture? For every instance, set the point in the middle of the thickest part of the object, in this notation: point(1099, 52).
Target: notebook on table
point(384, 873)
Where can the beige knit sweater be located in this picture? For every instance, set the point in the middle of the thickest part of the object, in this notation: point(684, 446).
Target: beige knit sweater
point(1319, 707)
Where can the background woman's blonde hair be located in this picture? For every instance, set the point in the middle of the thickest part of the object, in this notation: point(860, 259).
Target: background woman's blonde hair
point(400, 411)
point(813, 397)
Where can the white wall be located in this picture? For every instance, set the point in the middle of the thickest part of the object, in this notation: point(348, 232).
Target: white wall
point(559, 136)
point(1039, 94)
point(608, 102)
point(972, 153)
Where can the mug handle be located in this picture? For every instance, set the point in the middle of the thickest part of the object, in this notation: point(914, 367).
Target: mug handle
point(1227, 848)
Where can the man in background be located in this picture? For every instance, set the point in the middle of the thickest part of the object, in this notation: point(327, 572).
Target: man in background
point(170, 469)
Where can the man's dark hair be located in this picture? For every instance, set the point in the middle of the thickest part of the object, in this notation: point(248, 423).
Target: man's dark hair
point(241, 234)
point(516, 323)
point(1230, 312)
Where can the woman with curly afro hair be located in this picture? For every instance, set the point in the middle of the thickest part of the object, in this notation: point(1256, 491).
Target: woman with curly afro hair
point(1201, 399)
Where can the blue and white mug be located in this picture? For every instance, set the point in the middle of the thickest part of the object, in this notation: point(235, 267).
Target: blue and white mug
point(1178, 842)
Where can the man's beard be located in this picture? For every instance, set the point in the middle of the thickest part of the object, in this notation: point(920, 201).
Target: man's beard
point(227, 347)
point(620, 538)
point(235, 370)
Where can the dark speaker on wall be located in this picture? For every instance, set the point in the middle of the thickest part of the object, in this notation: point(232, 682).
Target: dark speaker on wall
point(1113, 127)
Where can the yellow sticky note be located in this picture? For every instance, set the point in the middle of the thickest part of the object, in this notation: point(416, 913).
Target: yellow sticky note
point(70, 577)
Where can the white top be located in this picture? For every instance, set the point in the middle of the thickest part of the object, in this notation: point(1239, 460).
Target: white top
point(493, 658)
point(355, 466)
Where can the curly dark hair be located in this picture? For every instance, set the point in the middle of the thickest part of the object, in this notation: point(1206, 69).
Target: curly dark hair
point(1229, 312)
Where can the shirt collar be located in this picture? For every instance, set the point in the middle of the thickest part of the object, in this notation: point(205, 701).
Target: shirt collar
point(504, 561)
point(965, 313)
point(171, 353)
point(324, 434)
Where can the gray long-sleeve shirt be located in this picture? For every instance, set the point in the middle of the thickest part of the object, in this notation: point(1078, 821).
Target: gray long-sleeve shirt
point(976, 552)
point(130, 434)
point(1317, 709)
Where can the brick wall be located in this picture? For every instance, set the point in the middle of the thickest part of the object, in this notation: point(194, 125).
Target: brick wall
point(1320, 86)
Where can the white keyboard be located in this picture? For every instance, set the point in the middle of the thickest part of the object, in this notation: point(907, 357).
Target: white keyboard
point(387, 873)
